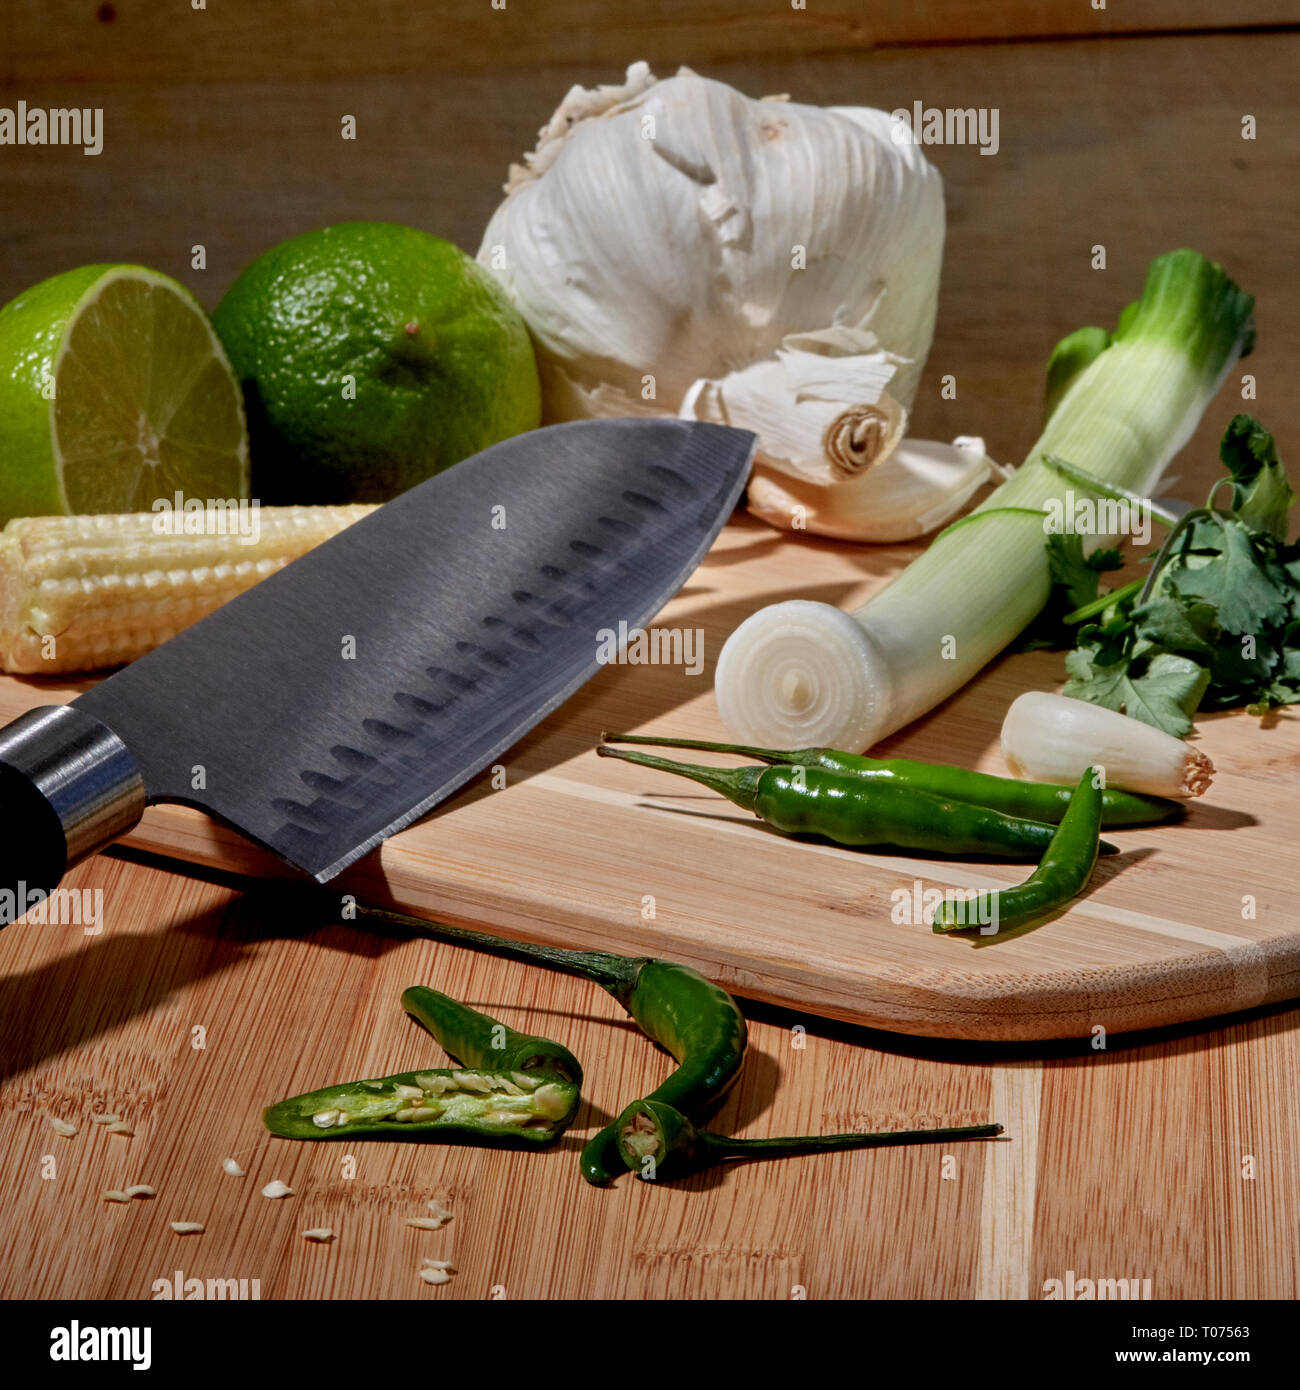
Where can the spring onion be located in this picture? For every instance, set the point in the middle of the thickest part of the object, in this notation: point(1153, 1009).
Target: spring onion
point(801, 673)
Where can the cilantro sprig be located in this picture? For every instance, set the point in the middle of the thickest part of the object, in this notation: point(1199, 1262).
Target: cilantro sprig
point(1216, 622)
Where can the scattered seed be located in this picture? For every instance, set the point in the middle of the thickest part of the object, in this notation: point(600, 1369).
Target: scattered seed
point(231, 1167)
point(319, 1233)
point(435, 1276)
point(427, 1263)
point(62, 1127)
point(140, 1189)
point(441, 1212)
point(423, 1223)
point(118, 1127)
point(276, 1188)
point(187, 1228)
point(105, 1119)
point(113, 1195)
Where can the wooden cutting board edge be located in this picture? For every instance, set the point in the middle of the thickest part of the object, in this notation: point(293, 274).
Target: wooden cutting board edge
point(1017, 1007)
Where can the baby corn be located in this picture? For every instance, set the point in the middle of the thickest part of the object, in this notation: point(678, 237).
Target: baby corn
point(78, 593)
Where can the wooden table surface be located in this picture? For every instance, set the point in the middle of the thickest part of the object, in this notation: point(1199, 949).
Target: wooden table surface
point(1173, 1157)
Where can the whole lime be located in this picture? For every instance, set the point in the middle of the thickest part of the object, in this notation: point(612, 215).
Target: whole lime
point(114, 393)
point(372, 356)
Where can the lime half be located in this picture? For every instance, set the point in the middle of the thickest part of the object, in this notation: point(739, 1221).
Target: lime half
point(114, 392)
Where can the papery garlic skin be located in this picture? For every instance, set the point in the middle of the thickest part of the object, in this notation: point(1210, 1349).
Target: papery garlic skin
point(1054, 738)
point(918, 487)
point(677, 247)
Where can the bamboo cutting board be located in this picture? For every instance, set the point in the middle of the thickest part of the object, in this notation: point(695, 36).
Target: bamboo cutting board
point(1190, 920)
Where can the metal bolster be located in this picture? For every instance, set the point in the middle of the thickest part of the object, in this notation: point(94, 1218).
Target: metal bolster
point(80, 766)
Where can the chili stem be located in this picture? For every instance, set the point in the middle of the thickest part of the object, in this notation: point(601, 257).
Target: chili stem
point(742, 750)
point(737, 784)
point(790, 1146)
point(617, 974)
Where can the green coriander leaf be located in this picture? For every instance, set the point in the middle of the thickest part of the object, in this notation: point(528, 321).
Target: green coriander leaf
point(1177, 625)
point(1165, 695)
point(1074, 583)
point(1242, 665)
point(1247, 586)
point(1263, 495)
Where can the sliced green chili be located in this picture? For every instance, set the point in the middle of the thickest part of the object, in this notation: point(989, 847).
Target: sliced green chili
point(479, 1041)
point(701, 1026)
point(522, 1109)
point(514, 1089)
point(861, 812)
point(697, 1022)
point(1040, 801)
point(1061, 876)
point(658, 1142)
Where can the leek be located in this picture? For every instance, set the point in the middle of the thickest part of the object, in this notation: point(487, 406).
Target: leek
point(799, 674)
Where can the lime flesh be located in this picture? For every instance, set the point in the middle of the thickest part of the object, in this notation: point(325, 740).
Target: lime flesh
point(114, 393)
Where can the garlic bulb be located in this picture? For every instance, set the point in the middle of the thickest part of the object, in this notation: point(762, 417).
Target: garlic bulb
point(1053, 738)
point(678, 248)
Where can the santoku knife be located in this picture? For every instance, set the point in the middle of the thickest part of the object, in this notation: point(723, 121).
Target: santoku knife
point(335, 702)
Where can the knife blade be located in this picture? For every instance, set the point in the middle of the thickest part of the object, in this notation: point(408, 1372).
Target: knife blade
point(343, 697)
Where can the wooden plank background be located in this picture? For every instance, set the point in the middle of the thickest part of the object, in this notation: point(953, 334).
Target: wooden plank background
point(222, 128)
point(1145, 154)
point(141, 41)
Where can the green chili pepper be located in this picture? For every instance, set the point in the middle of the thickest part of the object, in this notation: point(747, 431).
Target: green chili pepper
point(476, 1040)
point(518, 1090)
point(658, 1142)
point(1041, 801)
point(860, 812)
point(518, 1110)
point(699, 1023)
point(1061, 875)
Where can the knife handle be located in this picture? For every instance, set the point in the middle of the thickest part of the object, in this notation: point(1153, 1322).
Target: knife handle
point(68, 788)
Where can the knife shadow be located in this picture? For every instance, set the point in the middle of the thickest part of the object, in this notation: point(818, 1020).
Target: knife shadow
point(104, 982)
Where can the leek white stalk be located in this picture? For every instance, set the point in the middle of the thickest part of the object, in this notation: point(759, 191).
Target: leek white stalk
point(800, 674)
point(678, 248)
point(1052, 738)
